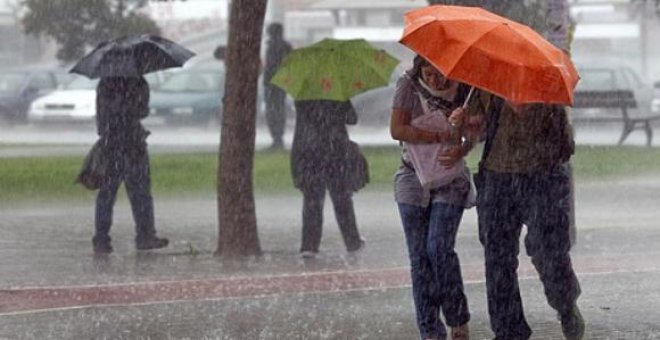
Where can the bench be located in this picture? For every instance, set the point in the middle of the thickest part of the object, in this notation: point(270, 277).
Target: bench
point(617, 102)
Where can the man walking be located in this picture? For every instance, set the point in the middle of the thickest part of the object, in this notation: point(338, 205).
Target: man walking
point(121, 103)
point(524, 179)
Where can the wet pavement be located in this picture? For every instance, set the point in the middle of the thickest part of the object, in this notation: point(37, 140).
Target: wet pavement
point(52, 287)
point(357, 314)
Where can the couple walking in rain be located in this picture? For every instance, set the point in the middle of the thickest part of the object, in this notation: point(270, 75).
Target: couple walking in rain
point(523, 176)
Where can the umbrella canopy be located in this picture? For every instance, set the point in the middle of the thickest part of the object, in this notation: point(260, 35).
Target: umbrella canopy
point(477, 47)
point(132, 56)
point(334, 70)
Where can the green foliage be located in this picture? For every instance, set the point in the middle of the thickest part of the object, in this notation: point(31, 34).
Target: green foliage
point(78, 24)
point(50, 179)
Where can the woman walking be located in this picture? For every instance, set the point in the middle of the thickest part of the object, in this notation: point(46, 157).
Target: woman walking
point(431, 214)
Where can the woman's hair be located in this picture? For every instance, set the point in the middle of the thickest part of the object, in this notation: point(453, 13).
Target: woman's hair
point(416, 70)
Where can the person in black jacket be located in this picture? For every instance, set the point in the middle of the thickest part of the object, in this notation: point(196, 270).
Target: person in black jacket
point(121, 102)
point(323, 158)
point(274, 97)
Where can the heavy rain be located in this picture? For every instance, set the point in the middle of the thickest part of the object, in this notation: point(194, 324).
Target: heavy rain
point(329, 169)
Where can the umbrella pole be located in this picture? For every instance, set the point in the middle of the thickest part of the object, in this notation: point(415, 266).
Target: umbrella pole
point(467, 99)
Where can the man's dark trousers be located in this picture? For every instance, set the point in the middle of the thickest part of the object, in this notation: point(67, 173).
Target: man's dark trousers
point(540, 201)
point(275, 113)
point(134, 172)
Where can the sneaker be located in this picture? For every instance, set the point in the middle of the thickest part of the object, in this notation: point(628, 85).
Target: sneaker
point(152, 243)
point(572, 324)
point(102, 248)
point(461, 332)
point(308, 254)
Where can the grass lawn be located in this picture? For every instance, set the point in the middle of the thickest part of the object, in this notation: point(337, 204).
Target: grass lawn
point(50, 179)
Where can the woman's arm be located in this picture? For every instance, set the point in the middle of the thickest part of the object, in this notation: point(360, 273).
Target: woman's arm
point(401, 130)
point(472, 125)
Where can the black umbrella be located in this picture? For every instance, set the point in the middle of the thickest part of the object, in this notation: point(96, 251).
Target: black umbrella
point(132, 56)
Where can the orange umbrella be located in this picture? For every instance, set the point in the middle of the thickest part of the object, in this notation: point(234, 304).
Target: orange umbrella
point(477, 47)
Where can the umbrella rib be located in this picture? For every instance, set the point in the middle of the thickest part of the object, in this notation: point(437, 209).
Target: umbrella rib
point(469, 46)
point(480, 37)
point(369, 67)
point(542, 51)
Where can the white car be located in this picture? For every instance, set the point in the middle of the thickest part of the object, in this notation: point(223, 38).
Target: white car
point(74, 102)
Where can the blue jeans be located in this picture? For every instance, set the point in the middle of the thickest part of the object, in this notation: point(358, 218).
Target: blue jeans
point(541, 201)
point(437, 284)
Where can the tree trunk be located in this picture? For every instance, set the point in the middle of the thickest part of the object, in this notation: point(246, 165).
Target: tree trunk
point(237, 222)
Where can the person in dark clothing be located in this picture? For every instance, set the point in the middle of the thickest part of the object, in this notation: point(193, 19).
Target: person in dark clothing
point(275, 97)
point(523, 178)
point(220, 52)
point(121, 102)
point(322, 159)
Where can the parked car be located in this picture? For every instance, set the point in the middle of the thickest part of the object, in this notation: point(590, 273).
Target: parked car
point(19, 88)
point(73, 102)
point(191, 95)
point(605, 77)
point(374, 107)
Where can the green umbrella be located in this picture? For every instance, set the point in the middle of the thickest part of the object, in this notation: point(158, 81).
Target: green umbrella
point(334, 70)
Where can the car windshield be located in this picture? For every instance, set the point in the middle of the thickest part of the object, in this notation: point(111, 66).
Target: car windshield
point(11, 82)
point(194, 81)
point(82, 83)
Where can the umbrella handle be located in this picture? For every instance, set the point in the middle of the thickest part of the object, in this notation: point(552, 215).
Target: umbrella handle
point(467, 99)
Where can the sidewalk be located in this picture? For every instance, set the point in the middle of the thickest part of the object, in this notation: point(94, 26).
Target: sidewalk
point(53, 288)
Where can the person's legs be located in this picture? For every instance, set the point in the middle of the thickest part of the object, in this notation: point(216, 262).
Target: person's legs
point(105, 201)
point(499, 232)
point(342, 202)
point(415, 221)
point(312, 216)
point(276, 115)
point(548, 242)
point(138, 188)
point(443, 227)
